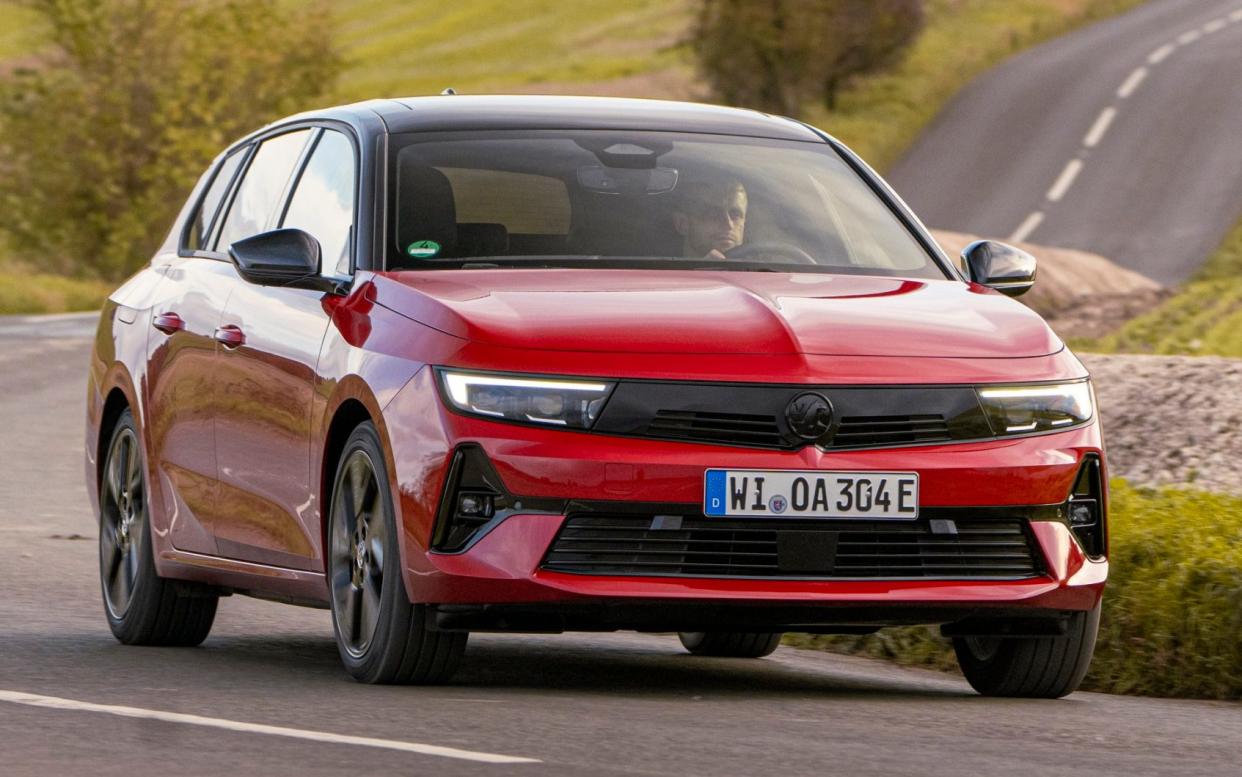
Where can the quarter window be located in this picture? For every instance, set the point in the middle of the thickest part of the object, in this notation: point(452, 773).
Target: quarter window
point(259, 193)
point(323, 202)
point(199, 228)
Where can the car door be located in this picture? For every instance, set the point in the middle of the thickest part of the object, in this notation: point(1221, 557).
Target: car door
point(267, 381)
point(181, 367)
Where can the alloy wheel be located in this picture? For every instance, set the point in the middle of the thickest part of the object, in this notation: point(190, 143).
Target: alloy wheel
point(123, 513)
point(359, 543)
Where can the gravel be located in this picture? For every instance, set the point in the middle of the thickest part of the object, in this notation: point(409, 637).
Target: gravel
point(1171, 420)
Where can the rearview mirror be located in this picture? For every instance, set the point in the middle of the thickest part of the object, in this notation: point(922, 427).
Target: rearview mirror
point(282, 257)
point(1009, 270)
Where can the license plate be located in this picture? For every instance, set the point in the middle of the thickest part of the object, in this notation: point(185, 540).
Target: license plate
point(810, 494)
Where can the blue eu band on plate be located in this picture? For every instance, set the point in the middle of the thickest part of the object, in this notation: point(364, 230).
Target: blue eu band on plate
point(810, 494)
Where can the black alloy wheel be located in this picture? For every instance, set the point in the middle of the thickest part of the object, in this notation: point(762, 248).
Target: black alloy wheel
point(382, 637)
point(142, 608)
point(1030, 667)
point(730, 644)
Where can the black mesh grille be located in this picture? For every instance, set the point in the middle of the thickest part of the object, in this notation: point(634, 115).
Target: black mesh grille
point(708, 547)
point(890, 430)
point(732, 428)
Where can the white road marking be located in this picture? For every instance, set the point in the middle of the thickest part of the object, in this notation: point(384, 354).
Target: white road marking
point(1161, 54)
point(1236, 15)
point(1100, 127)
point(1216, 25)
point(1065, 181)
point(1030, 225)
point(55, 703)
point(1190, 36)
point(1132, 82)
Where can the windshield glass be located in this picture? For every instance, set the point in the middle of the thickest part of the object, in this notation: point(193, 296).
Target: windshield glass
point(639, 199)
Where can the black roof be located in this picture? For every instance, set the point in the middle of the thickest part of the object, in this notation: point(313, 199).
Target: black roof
point(492, 112)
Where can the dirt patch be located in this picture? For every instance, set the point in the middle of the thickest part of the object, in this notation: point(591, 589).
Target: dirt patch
point(1171, 420)
point(1079, 293)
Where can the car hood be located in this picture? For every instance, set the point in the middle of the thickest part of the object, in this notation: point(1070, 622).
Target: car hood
point(701, 312)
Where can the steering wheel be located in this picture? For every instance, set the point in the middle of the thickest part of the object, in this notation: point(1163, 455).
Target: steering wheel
point(786, 250)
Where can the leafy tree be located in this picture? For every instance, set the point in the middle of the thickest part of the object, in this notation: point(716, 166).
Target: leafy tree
point(104, 135)
point(779, 55)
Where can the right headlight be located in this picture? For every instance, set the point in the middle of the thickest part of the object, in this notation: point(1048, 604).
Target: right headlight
point(1036, 408)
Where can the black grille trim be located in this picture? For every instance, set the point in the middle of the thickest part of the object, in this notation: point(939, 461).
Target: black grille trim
point(627, 545)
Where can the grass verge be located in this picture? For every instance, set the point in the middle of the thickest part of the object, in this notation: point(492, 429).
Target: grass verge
point(23, 292)
point(1203, 319)
point(1172, 622)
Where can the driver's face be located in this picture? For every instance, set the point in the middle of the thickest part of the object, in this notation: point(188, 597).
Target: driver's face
point(714, 220)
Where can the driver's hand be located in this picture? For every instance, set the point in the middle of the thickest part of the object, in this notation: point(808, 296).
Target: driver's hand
point(715, 256)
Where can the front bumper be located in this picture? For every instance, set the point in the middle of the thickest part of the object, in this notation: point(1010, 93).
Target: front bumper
point(505, 566)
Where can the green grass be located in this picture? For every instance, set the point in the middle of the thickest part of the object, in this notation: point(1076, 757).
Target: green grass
point(19, 31)
point(1172, 621)
point(1203, 319)
point(22, 291)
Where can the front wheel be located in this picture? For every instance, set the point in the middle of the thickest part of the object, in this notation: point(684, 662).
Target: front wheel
point(142, 607)
point(382, 637)
point(730, 644)
point(1031, 667)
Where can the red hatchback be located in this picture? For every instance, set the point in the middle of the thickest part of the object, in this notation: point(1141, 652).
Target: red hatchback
point(459, 364)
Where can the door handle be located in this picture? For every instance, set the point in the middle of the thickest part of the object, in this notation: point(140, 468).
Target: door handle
point(168, 323)
point(230, 336)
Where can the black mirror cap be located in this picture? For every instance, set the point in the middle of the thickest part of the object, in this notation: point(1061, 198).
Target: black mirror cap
point(282, 257)
point(1000, 266)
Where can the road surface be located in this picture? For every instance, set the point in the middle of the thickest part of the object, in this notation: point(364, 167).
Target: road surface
point(1121, 138)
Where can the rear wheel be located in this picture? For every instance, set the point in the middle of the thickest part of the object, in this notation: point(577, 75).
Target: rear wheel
point(142, 608)
point(1032, 667)
point(730, 644)
point(382, 637)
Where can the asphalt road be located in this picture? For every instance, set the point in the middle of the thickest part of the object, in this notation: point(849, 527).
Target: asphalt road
point(269, 696)
point(1121, 138)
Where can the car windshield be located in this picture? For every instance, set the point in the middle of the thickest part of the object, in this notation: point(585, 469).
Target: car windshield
point(655, 200)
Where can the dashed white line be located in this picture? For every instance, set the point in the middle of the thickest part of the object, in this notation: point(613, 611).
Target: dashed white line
point(1065, 181)
point(56, 703)
point(1100, 127)
point(1216, 25)
point(1189, 36)
point(1236, 15)
point(1161, 54)
point(1132, 82)
point(1030, 225)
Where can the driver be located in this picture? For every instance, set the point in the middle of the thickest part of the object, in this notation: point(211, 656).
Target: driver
point(710, 216)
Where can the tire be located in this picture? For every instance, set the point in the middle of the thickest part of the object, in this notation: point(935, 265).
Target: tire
point(1030, 667)
point(142, 608)
point(730, 644)
point(382, 637)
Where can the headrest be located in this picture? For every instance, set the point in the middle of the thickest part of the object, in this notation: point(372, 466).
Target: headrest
point(425, 210)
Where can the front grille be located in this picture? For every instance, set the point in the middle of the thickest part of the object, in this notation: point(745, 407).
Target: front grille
point(890, 430)
point(677, 546)
point(730, 428)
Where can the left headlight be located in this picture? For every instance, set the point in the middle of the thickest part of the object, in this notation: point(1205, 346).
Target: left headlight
point(533, 400)
point(1036, 408)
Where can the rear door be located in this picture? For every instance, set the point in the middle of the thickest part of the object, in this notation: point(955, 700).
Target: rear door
point(267, 383)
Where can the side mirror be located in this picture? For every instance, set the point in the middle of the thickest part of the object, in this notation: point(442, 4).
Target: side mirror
point(1009, 270)
point(282, 257)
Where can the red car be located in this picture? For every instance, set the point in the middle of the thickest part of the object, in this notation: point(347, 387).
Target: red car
point(459, 364)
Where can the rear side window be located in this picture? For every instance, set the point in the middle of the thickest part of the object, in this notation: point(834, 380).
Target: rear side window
point(323, 202)
point(259, 193)
point(200, 227)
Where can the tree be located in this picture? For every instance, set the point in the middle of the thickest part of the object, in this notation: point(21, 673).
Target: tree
point(779, 55)
point(102, 139)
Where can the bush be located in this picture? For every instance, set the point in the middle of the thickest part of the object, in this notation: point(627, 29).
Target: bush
point(103, 138)
point(1172, 621)
point(778, 55)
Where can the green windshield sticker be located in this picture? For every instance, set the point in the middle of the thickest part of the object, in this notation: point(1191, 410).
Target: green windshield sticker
point(423, 249)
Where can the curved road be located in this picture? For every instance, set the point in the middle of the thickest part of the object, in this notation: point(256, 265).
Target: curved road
point(1123, 138)
point(265, 693)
